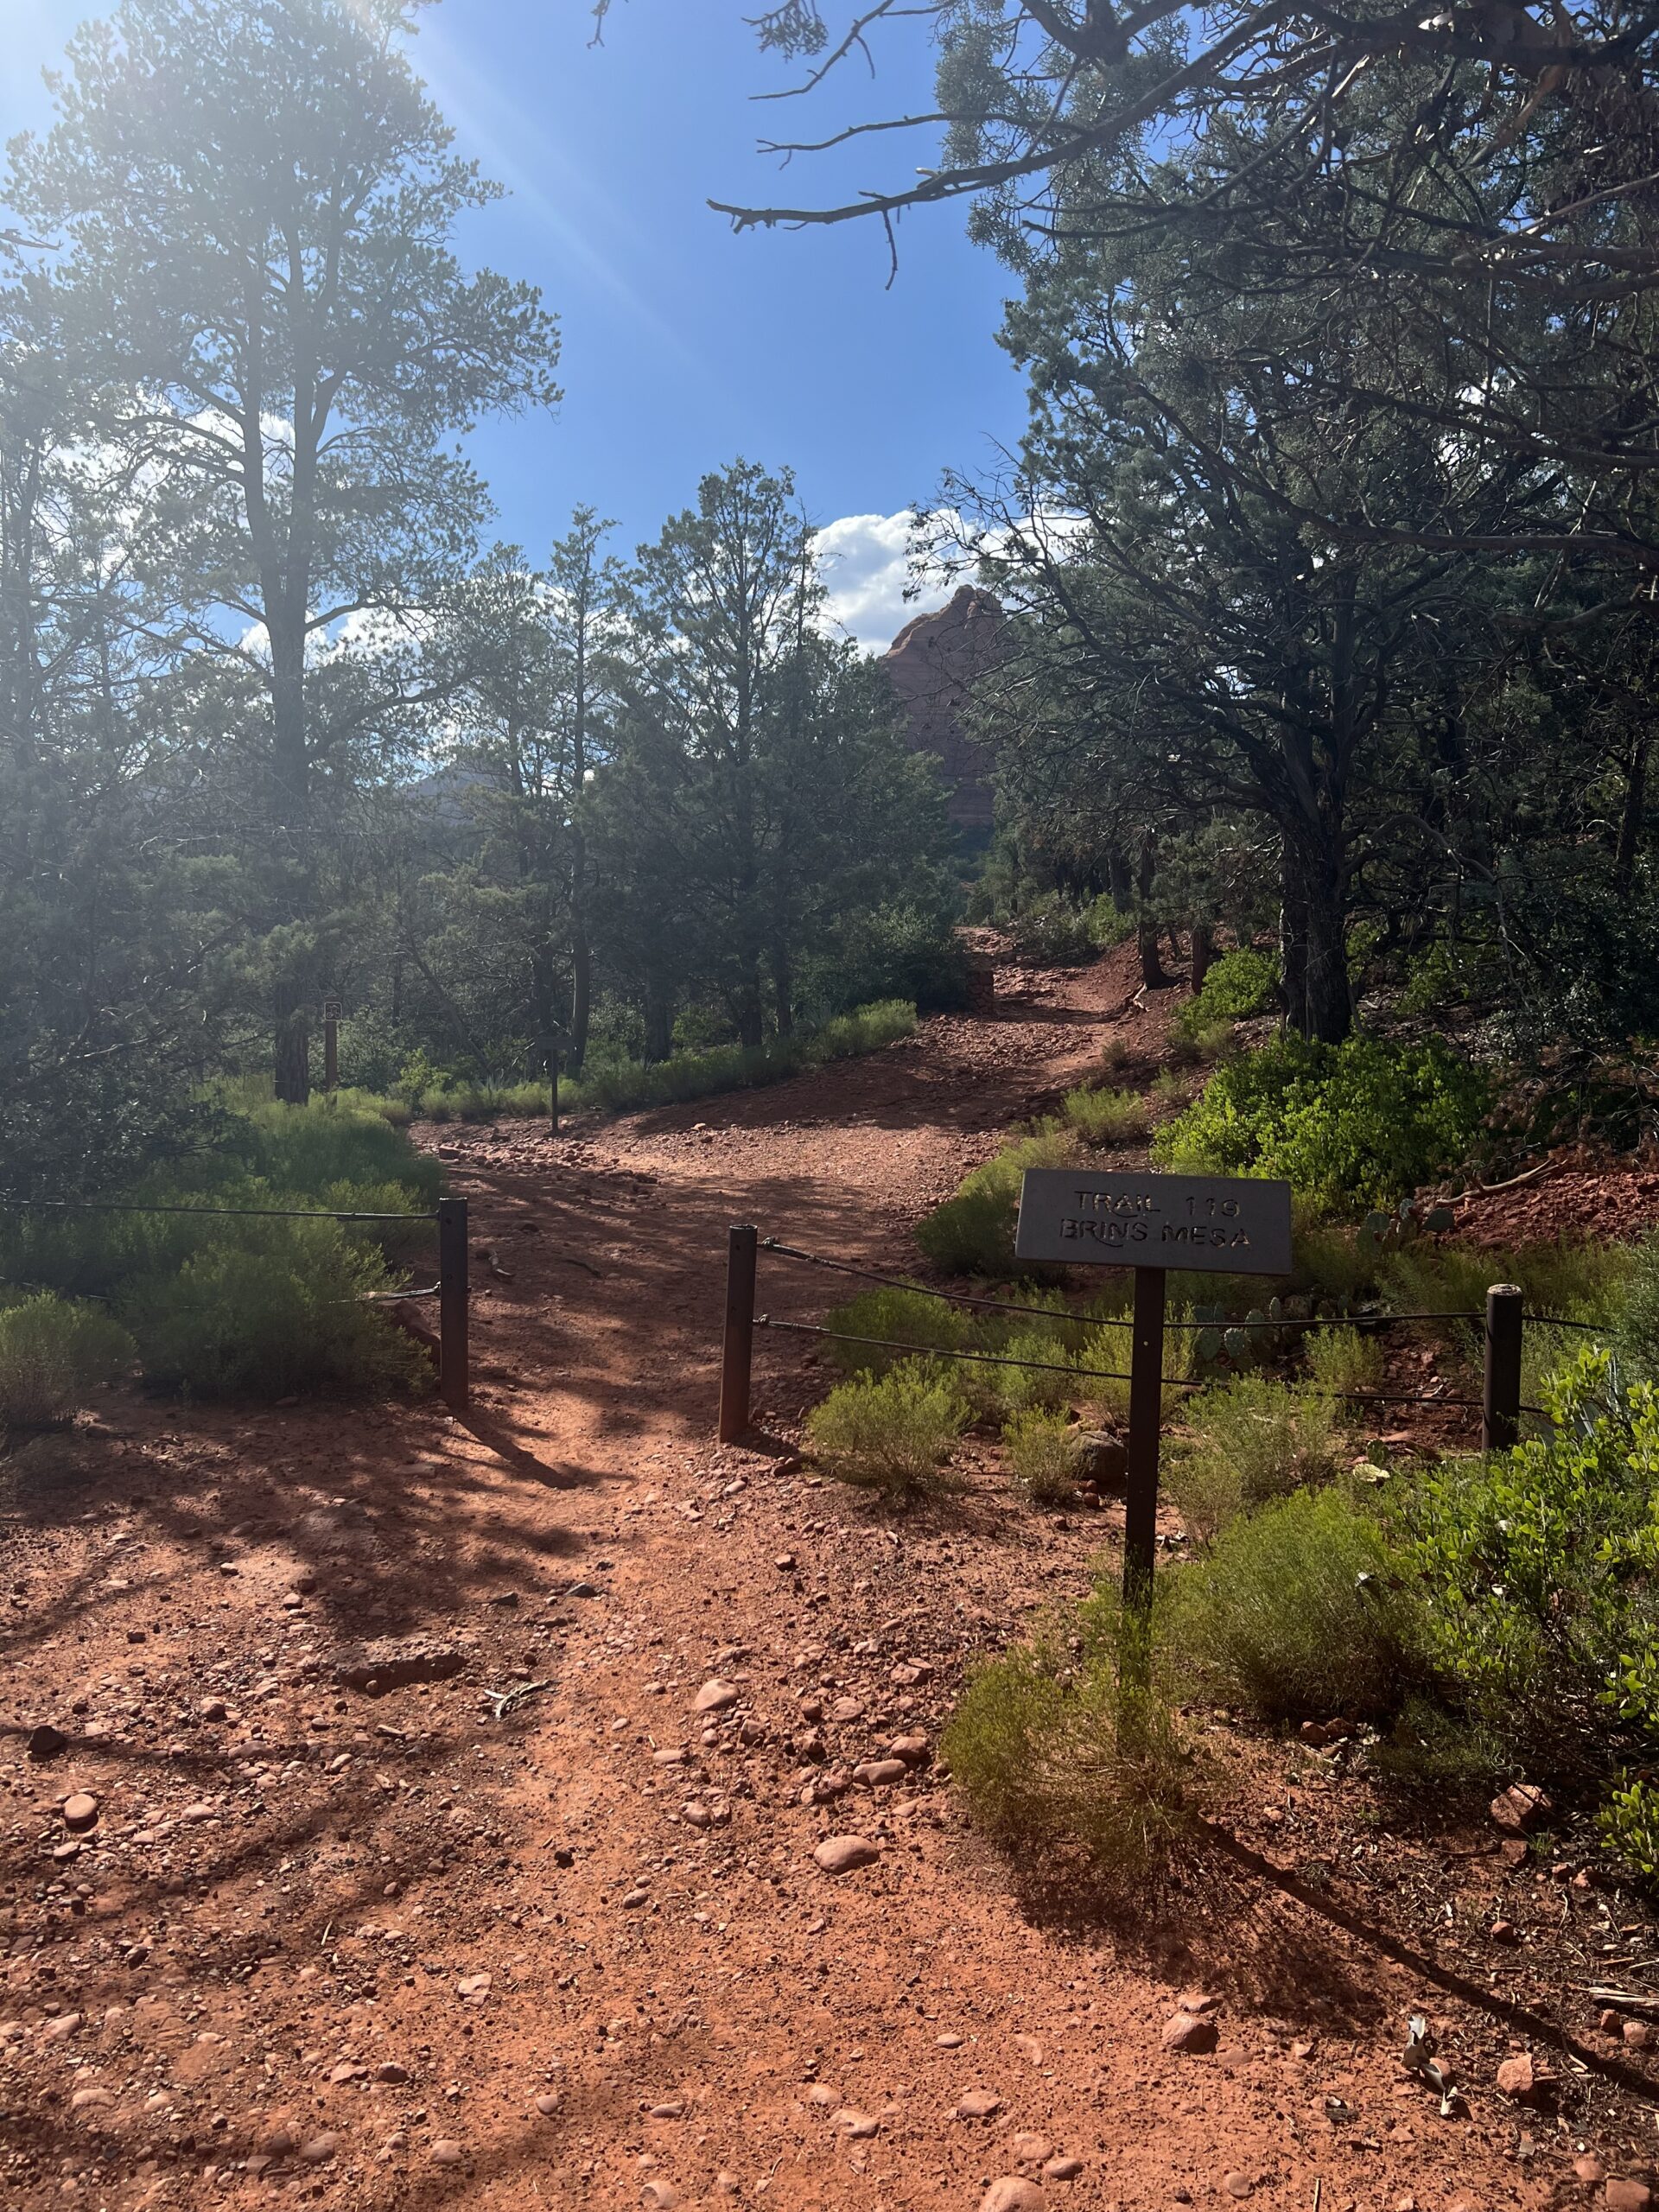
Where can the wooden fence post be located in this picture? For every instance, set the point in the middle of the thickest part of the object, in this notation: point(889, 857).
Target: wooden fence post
point(453, 1365)
point(1500, 1404)
point(1145, 1420)
point(738, 1347)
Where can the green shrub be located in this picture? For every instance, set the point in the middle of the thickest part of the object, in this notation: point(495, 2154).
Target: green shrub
point(1539, 1567)
point(1108, 1117)
point(1018, 1388)
point(906, 1317)
point(1361, 1122)
point(267, 1308)
point(1638, 1319)
point(52, 1355)
point(298, 1151)
point(1254, 1441)
point(1629, 1826)
point(1052, 932)
point(1344, 1361)
point(973, 1232)
point(1042, 1449)
point(1053, 1753)
point(1238, 985)
point(892, 1433)
point(1298, 1610)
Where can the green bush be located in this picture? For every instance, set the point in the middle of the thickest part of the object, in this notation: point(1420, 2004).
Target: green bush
point(1344, 1361)
point(1042, 1449)
point(906, 1317)
point(1053, 932)
point(1629, 1826)
point(1107, 1117)
point(1054, 1751)
point(973, 1232)
point(267, 1308)
point(52, 1355)
point(892, 1433)
point(1254, 1441)
point(1539, 1566)
point(1238, 985)
point(1299, 1611)
point(1362, 1122)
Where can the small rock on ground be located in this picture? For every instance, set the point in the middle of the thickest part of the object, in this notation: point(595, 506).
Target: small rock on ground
point(1012, 2193)
point(839, 1854)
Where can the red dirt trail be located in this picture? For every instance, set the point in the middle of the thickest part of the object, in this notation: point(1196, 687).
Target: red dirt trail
point(370, 1951)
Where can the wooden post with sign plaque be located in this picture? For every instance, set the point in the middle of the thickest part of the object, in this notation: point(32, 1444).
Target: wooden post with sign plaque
point(1222, 1224)
point(331, 1044)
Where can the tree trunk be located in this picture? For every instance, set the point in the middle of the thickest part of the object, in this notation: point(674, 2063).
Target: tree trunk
point(1119, 880)
point(1146, 929)
point(1319, 998)
point(292, 1057)
point(582, 990)
point(782, 984)
point(1293, 946)
point(749, 1014)
point(1204, 945)
point(659, 1023)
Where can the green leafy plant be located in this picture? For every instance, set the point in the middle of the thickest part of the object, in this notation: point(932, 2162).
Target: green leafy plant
point(1042, 1451)
point(52, 1355)
point(973, 1232)
point(1539, 1567)
point(1300, 1610)
point(1253, 1440)
point(1237, 985)
point(892, 1433)
point(905, 1317)
point(1108, 1117)
point(1344, 1361)
point(1364, 1122)
point(1630, 1825)
point(267, 1308)
point(1056, 1747)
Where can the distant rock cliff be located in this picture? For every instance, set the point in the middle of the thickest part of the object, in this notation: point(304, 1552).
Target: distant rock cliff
point(933, 662)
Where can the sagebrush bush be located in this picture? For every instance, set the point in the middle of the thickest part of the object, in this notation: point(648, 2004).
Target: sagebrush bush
point(1054, 1752)
point(267, 1308)
point(53, 1354)
point(1360, 1124)
point(906, 1317)
point(1042, 1450)
point(1108, 1117)
point(1299, 1609)
point(1344, 1361)
point(1252, 1441)
point(892, 1433)
point(973, 1232)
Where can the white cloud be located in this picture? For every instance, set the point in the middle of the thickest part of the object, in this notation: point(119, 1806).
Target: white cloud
point(865, 559)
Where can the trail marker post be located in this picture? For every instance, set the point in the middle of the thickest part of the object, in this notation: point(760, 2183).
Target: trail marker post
point(1222, 1224)
point(737, 1350)
point(1500, 1397)
point(454, 1363)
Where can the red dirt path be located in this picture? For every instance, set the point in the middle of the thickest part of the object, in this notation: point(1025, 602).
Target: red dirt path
point(292, 1888)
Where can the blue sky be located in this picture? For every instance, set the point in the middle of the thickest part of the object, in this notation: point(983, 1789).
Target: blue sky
point(683, 343)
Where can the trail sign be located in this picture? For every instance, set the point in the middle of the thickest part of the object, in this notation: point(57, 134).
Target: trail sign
point(1224, 1224)
point(1231, 1226)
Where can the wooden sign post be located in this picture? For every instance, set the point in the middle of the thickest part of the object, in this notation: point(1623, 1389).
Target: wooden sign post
point(331, 1044)
point(1222, 1224)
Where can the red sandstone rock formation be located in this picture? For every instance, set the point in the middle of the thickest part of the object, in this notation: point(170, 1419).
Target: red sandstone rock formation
point(934, 662)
